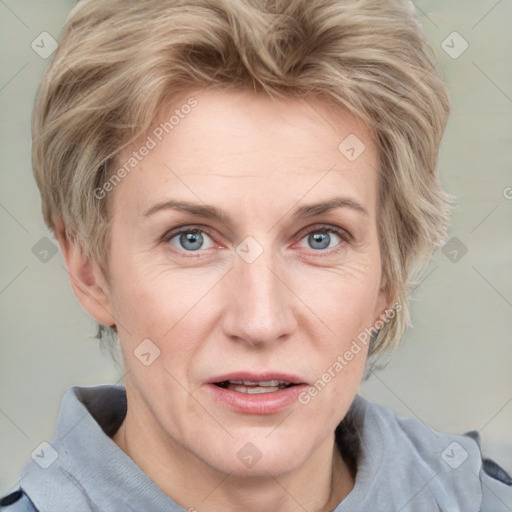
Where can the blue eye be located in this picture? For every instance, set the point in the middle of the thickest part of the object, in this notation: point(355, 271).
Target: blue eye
point(324, 238)
point(195, 239)
point(190, 240)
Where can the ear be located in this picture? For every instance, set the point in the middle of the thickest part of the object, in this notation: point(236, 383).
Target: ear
point(86, 278)
point(386, 301)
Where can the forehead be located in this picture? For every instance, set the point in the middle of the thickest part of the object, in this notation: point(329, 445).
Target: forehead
point(229, 145)
point(243, 121)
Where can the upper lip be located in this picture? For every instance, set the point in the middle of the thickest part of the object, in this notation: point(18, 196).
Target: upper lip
point(257, 377)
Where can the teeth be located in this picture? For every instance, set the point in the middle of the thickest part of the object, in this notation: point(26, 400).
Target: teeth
point(271, 383)
point(254, 390)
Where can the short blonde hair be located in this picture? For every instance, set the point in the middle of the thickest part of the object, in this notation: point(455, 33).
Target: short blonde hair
point(120, 62)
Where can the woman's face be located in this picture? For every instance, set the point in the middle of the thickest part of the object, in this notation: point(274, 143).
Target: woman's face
point(244, 248)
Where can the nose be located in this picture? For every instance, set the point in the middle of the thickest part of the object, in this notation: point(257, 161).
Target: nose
point(259, 302)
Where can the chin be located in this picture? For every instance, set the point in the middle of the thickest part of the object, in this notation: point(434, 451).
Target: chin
point(259, 456)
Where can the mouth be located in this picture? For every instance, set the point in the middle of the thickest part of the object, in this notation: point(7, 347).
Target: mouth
point(254, 387)
point(257, 394)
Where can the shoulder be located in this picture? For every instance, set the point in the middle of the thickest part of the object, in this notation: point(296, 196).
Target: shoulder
point(496, 483)
point(452, 465)
point(17, 501)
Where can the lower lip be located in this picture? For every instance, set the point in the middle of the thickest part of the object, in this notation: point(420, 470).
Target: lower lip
point(260, 403)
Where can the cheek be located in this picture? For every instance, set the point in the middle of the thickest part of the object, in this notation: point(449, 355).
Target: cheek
point(158, 301)
point(344, 297)
point(161, 301)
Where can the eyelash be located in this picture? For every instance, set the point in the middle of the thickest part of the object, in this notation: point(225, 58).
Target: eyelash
point(344, 235)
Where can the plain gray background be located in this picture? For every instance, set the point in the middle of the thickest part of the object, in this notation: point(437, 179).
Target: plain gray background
point(453, 369)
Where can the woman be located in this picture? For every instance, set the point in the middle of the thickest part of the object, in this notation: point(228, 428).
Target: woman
point(244, 193)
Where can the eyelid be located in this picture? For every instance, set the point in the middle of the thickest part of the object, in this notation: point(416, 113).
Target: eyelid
point(341, 232)
point(171, 233)
point(186, 228)
point(344, 235)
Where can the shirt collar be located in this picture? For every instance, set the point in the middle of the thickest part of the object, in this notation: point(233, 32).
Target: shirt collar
point(400, 462)
point(90, 467)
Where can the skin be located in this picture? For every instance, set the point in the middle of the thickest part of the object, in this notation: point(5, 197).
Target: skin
point(209, 312)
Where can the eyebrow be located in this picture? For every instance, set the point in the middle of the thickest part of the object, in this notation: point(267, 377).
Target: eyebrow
point(211, 212)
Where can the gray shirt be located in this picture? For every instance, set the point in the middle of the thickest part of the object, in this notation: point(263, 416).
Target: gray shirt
point(402, 465)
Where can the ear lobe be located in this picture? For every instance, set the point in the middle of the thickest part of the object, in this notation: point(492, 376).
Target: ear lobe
point(86, 278)
point(386, 302)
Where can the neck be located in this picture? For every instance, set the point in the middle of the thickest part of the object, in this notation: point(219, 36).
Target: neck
point(319, 485)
